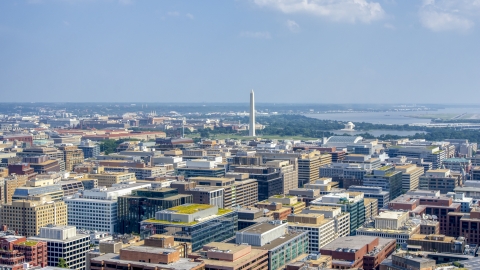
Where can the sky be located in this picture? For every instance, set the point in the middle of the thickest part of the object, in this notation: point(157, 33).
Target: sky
point(288, 51)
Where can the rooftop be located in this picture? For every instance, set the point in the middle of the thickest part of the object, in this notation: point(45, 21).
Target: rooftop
point(190, 208)
point(350, 242)
point(181, 264)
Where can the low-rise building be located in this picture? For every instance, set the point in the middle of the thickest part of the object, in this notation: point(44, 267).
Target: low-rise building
point(391, 224)
point(437, 243)
point(228, 256)
point(408, 261)
point(366, 252)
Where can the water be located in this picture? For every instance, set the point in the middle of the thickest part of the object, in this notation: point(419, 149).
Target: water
point(378, 132)
point(392, 118)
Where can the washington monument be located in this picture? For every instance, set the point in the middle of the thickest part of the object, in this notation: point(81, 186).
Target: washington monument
point(251, 126)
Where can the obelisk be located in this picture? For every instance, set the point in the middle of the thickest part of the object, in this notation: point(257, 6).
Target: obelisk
point(251, 128)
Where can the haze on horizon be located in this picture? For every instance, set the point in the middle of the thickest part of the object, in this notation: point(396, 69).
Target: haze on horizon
point(288, 51)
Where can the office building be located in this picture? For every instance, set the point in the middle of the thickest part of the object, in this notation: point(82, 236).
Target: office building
point(251, 216)
point(28, 216)
point(71, 155)
point(365, 252)
point(10, 184)
point(145, 257)
point(408, 261)
point(466, 203)
point(352, 204)
point(371, 208)
point(387, 178)
point(282, 247)
point(230, 256)
point(410, 176)
point(321, 230)
point(270, 181)
point(439, 179)
point(198, 224)
point(22, 169)
point(382, 197)
point(201, 194)
point(429, 153)
point(437, 207)
point(64, 242)
point(438, 243)
point(342, 219)
point(236, 193)
point(309, 165)
point(391, 224)
point(89, 148)
point(143, 204)
point(42, 164)
point(286, 201)
point(108, 179)
point(24, 193)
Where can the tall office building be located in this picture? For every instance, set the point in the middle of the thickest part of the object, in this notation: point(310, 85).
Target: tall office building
point(28, 216)
point(251, 128)
point(64, 242)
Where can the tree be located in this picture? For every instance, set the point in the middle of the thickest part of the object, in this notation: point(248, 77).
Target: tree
point(108, 146)
point(62, 263)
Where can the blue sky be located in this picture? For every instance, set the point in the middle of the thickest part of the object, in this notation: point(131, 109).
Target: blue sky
point(315, 51)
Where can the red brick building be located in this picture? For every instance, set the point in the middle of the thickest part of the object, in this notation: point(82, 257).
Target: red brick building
point(18, 137)
point(366, 252)
point(16, 250)
point(22, 169)
point(439, 206)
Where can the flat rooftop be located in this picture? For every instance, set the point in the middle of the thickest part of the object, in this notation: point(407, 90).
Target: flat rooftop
point(350, 242)
point(190, 208)
point(260, 228)
point(148, 249)
point(435, 238)
point(391, 214)
point(280, 241)
point(181, 264)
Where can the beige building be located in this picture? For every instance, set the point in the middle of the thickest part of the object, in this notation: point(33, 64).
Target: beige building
point(28, 216)
point(108, 179)
point(342, 219)
point(321, 230)
point(243, 192)
point(309, 166)
point(371, 207)
point(10, 184)
point(288, 171)
point(410, 176)
point(72, 156)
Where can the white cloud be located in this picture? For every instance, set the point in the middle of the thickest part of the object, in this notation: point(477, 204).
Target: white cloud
point(259, 35)
point(293, 26)
point(444, 15)
point(190, 16)
point(335, 10)
point(173, 13)
point(389, 26)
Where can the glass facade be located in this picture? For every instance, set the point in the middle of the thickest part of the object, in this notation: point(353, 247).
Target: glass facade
point(212, 230)
point(143, 204)
point(283, 254)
